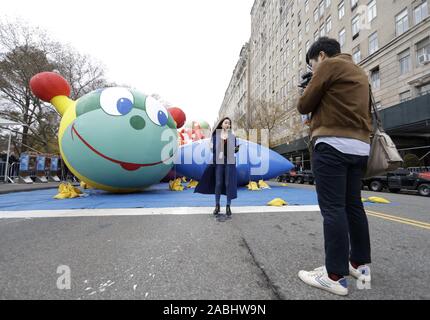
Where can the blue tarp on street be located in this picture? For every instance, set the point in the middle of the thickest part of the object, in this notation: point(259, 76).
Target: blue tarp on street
point(157, 196)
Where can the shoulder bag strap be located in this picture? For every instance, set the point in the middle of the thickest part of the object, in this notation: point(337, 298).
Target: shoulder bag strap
point(375, 110)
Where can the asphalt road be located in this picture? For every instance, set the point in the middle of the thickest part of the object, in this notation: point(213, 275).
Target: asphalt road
point(253, 256)
point(407, 204)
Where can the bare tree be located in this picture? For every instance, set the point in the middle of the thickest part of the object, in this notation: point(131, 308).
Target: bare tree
point(267, 116)
point(24, 52)
point(83, 73)
point(242, 123)
point(18, 104)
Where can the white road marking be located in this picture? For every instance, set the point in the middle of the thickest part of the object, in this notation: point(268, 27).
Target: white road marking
point(146, 212)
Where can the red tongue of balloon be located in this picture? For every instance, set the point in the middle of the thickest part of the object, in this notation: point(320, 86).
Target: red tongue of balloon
point(130, 166)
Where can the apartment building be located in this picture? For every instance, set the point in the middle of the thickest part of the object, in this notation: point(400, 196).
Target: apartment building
point(390, 39)
point(235, 100)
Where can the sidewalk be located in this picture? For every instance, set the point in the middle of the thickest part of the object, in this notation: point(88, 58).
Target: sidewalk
point(20, 187)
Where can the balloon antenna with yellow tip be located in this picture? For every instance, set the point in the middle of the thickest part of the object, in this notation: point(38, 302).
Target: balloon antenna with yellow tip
point(53, 88)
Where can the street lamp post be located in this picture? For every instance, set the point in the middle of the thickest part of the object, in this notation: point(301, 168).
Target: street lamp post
point(7, 158)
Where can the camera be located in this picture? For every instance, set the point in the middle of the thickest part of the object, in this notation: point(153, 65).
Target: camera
point(306, 78)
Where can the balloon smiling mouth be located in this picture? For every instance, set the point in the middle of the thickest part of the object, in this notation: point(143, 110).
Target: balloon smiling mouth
point(125, 165)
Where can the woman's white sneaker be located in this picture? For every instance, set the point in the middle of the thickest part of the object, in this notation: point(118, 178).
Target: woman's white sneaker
point(362, 273)
point(320, 279)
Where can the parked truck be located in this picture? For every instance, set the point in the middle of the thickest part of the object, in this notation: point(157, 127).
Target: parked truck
point(401, 179)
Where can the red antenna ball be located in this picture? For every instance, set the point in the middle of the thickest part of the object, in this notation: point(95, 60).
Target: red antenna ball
point(179, 116)
point(47, 85)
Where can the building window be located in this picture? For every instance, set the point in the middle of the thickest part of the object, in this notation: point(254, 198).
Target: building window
point(342, 37)
point(356, 55)
point(405, 96)
point(316, 35)
point(375, 78)
point(321, 6)
point(294, 45)
point(328, 25)
point(421, 12)
point(372, 11)
point(322, 30)
point(424, 90)
point(355, 26)
point(300, 55)
point(308, 45)
point(423, 52)
point(373, 43)
point(402, 22)
point(307, 26)
point(341, 9)
point(327, 3)
point(405, 62)
point(307, 6)
point(354, 4)
point(316, 15)
point(300, 36)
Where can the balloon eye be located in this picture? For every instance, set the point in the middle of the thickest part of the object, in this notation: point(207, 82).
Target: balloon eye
point(116, 101)
point(162, 118)
point(156, 112)
point(124, 106)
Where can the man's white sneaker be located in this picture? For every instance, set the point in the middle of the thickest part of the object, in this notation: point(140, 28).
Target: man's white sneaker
point(319, 279)
point(362, 273)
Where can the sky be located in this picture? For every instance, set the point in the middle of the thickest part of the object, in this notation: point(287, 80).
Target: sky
point(183, 50)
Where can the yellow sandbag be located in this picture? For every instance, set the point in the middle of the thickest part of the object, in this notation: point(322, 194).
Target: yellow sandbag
point(62, 188)
point(253, 186)
point(278, 202)
point(62, 196)
point(263, 185)
point(176, 185)
point(378, 200)
point(67, 191)
point(193, 184)
point(63, 192)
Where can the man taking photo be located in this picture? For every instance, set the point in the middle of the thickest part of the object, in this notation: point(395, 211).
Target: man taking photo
point(338, 100)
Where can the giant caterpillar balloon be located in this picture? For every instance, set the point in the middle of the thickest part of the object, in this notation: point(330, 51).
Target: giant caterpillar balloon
point(111, 138)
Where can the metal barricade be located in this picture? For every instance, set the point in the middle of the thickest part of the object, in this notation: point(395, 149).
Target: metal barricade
point(13, 171)
point(2, 169)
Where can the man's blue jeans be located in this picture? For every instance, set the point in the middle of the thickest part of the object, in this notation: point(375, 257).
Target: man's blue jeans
point(222, 174)
point(346, 229)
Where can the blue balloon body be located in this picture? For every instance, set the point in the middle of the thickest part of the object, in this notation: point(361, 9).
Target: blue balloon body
point(253, 162)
